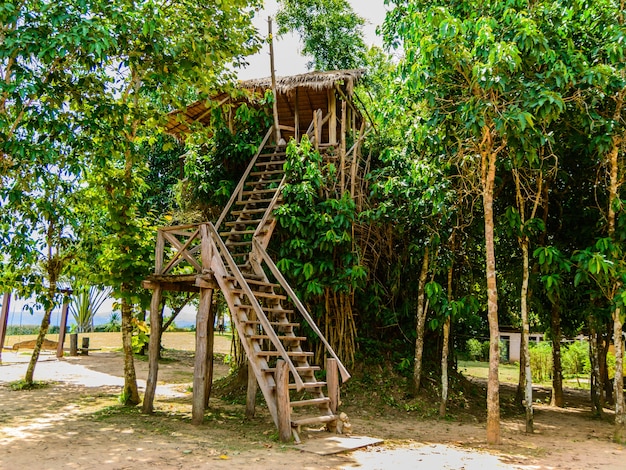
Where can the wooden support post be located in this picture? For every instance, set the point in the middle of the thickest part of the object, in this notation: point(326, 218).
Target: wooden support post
point(282, 401)
point(273, 75)
point(332, 381)
point(296, 118)
point(342, 149)
point(153, 349)
point(159, 253)
point(73, 344)
point(209, 365)
point(332, 121)
point(251, 392)
point(84, 347)
point(316, 130)
point(4, 319)
point(63, 325)
point(200, 367)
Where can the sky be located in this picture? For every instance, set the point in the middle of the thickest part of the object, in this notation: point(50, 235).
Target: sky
point(287, 58)
point(288, 61)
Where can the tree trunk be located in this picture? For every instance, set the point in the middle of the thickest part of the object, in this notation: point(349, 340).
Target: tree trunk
point(596, 401)
point(420, 324)
point(444, 352)
point(488, 176)
point(521, 383)
point(130, 394)
point(557, 367)
point(619, 433)
point(43, 330)
point(528, 385)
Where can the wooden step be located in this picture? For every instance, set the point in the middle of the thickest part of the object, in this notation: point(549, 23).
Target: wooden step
point(244, 222)
point(282, 338)
point(256, 282)
point(311, 402)
point(269, 309)
point(308, 385)
point(314, 420)
point(253, 201)
point(289, 353)
point(260, 182)
point(265, 295)
point(242, 243)
point(269, 163)
point(259, 191)
point(267, 172)
point(234, 233)
point(249, 211)
point(274, 154)
point(272, 370)
point(273, 323)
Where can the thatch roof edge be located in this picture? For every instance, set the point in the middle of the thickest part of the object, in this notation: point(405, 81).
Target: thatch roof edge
point(314, 80)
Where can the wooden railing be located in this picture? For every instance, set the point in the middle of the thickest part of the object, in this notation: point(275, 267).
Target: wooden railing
point(345, 375)
point(219, 247)
point(185, 242)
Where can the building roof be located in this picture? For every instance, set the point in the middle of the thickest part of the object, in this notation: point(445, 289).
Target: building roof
point(314, 85)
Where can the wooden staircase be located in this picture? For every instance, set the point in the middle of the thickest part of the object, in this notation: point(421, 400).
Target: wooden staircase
point(264, 308)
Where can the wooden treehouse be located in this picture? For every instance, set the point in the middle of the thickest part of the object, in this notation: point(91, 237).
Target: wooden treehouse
point(230, 254)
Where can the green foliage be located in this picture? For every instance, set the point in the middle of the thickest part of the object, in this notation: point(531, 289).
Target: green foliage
point(541, 361)
point(141, 337)
point(575, 359)
point(318, 250)
point(330, 30)
point(474, 349)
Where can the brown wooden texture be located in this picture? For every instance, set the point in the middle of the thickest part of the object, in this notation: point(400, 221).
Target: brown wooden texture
point(200, 374)
point(332, 381)
point(251, 393)
point(153, 349)
point(282, 401)
point(63, 325)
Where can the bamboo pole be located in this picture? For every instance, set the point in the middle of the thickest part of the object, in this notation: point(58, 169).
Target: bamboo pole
point(332, 381)
point(273, 72)
point(282, 401)
point(342, 148)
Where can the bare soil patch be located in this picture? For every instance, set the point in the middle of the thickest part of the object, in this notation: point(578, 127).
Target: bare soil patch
point(76, 422)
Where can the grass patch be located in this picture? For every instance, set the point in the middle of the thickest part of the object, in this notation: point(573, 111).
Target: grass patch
point(508, 373)
point(19, 385)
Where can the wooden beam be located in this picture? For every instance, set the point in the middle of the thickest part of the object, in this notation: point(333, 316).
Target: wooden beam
point(63, 325)
point(209, 359)
point(153, 349)
point(332, 123)
point(170, 286)
point(282, 401)
point(251, 392)
point(4, 319)
point(332, 383)
point(200, 375)
point(296, 117)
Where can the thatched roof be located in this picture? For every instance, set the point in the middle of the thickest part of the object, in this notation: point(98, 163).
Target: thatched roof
point(313, 80)
point(311, 84)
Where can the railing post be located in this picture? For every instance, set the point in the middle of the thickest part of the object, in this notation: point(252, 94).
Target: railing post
point(159, 253)
point(332, 381)
point(282, 401)
point(63, 325)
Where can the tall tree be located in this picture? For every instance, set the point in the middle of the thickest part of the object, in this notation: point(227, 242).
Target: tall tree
point(330, 30)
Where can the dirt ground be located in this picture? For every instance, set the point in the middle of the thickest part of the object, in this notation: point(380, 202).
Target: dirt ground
point(76, 422)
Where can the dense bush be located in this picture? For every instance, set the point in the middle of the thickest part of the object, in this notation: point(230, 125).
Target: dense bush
point(474, 349)
point(575, 359)
point(541, 361)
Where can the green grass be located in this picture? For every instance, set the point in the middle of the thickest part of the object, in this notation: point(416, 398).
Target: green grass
point(509, 373)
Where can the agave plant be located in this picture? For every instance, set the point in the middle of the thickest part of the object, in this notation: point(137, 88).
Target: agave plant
point(85, 303)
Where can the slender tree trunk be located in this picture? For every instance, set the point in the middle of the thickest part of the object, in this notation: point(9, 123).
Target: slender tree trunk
point(130, 394)
point(43, 330)
point(521, 382)
point(596, 401)
point(488, 176)
point(619, 433)
point(444, 352)
point(528, 385)
point(557, 367)
point(420, 323)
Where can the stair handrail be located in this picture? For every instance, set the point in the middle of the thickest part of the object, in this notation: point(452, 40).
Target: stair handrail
point(345, 375)
point(218, 243)
point(242, 180)
point(270, 208)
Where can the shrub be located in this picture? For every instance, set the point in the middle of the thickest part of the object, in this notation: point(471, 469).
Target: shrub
point(541, 361)
point(474, 349)
point(575, 359)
